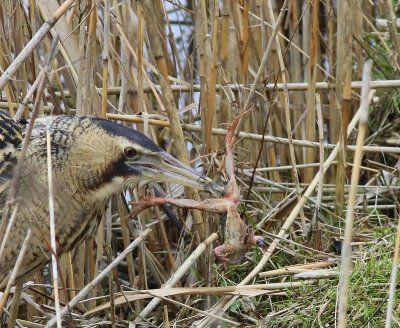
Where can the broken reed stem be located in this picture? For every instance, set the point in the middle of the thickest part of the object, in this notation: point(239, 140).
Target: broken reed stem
point(343, 292)
point(15, 271)
point(54, 268)
point(292, 269)
point(179, 274)
point(393, 277)
point(12, 319)
point(90, 286)
point(224, 303)
point(245, 135)
point(166, 317)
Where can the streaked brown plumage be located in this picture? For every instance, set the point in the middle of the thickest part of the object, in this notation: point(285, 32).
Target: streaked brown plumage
point(92, 159)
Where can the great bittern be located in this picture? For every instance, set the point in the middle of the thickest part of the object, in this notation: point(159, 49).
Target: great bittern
point(92, 159)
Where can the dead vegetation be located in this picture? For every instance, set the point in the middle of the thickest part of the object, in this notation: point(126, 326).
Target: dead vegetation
point(180, 72)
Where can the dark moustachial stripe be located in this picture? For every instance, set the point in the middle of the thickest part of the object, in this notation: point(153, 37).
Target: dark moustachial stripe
point(123, 131)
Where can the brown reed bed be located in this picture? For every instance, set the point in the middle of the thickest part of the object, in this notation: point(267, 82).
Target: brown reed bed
point(180, 72)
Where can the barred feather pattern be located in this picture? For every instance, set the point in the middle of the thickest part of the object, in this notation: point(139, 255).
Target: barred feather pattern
point(83, 157)
point(10, 140)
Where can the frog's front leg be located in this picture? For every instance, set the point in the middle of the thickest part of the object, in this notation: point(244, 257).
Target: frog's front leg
point(225, 251)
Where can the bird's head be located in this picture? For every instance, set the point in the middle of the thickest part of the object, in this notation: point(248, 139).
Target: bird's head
point(106, 157)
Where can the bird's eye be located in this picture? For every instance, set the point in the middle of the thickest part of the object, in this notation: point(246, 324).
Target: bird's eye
point(130, 152)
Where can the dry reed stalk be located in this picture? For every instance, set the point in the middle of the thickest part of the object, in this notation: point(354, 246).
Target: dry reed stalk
point(69, 46)
point(132, 81)
point(105, 58)
point(393, 276)
point(122, 16)
point(54, 266)
point(89, 287)
point(209, 121)
point(252, 136)
point(305, 45)
point(140, 55)
point(290, 86)
point(315, 220)
point(178, 304)
point(123, 212)
point(204, 57)
point(249, 290)
point(312, 75)
point(244, 39)
point(12, 319)
point(358, 29)
point(295, 70)
point(81, 63)
point(165, 243)
point(317, 274)
point(166, 317)
point(70, 276)
point(292, 156)
point(24, 104)
point(15, 270)
point(18, 30)
point(32, 44)
point(265, 57)
point(331, 60)
point(224, 303)
point(390, 16)
point(169, 103)
point(226, 94)
point(90, 101)
point(292, 268)
point(343, 94)
point(343, 292)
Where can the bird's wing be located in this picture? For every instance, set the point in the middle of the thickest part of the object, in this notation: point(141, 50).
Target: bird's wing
point(10, 141)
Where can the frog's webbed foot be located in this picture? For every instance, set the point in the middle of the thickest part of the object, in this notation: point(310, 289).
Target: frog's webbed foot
point(259, 242)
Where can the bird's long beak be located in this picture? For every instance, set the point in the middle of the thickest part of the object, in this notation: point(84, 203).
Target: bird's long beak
point(161, 166)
